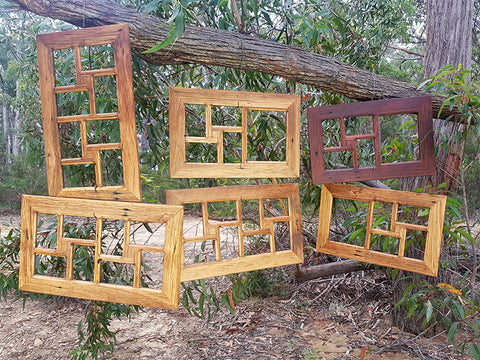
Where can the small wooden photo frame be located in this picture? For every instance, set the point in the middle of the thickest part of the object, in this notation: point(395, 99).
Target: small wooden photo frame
point(88, 127)
point(255, 215)
point(136, 242)
point(346, 141)
point(386, 230)
point(221, 126)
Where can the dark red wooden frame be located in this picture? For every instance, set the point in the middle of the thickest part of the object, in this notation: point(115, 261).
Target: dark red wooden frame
point(424, 165)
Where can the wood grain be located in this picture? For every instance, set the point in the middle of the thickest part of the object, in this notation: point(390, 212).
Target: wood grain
point(211, 230)
point(118, 36)
point(424, 164)
point(231, 49)
point(98, 289)
point(180, 168)
point(397, 229)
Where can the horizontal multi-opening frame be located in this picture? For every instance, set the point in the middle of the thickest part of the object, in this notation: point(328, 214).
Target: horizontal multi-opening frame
point(118, 37)
point(179, 98)
point(99, 211)
point(397, 229)
point(290, 214)
point(422, 166)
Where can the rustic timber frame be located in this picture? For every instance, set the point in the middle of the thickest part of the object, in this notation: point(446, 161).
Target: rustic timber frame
point(288, 197)
point(422, 166)
point(433, 205)
point(214, 134)
point(31, 277)
point(48, 44)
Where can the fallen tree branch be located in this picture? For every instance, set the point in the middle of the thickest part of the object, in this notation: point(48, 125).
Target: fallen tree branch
point(210, 46)
point(329, 269)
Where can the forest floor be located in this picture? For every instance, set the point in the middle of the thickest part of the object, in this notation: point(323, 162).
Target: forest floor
point(342, 317)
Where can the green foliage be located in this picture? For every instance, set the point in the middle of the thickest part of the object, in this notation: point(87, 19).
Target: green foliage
point(9, 261)
point(356, 32)
point(21, 177)
point(9, 267)
point(472, 169)
point(460, 92)
point(94, 334)
point(259, 283)
point(446, 306)
point(97, 338)
point(201, 300)
point(176, 23)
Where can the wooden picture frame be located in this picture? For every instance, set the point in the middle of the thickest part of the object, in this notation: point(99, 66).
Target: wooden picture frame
point(423, 165)
point(83, 90)
point(213, 134)
point(60, 244)
point(288, 213)
point(432, 226)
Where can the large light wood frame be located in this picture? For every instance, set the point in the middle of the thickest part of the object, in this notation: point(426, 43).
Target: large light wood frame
point(424, 165)
point(397, 229)
point(171, 216)
point(179, 167)
point(211, 230)
point(118, 36)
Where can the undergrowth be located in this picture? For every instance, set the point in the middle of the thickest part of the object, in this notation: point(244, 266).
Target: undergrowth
point(94, 335)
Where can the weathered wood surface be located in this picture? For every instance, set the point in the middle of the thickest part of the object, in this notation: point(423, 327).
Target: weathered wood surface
point(47, 44)
point(330, 269)
point(396, 229)
point(98, 211)
point(230, 49)
point(287, 105)
point(423, 165)
point(290, 215)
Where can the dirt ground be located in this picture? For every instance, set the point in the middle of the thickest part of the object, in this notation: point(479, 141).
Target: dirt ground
point(343, 317)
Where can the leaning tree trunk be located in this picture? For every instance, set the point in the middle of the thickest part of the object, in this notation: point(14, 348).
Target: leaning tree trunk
point(208, 46)
point(449, 41)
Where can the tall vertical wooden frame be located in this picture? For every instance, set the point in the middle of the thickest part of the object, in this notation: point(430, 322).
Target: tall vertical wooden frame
point(179, 167)
point(434, 228)
point(127, 212)
point(118, 36)
point(424, 165)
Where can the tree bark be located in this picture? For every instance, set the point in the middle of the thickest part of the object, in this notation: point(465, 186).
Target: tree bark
point(230, 49)
point(449, 41)
point(329, 269)
point(6, 128)
point(16, 125)
point(449, 34)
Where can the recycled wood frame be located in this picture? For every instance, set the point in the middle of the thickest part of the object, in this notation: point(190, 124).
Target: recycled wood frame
point(179, 167)
point(118, 36)
point(435, 203)
point(425, 165)
point(172, 216)
point(211, 232)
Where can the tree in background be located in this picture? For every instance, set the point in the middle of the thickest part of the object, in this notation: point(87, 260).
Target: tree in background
point(321, 39)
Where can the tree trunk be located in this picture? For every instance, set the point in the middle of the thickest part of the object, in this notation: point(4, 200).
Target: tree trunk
point(4, 126)
point(15, 133)
point(235, 50)
point(449, 41)
point(229, 49)
point(16, 125)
